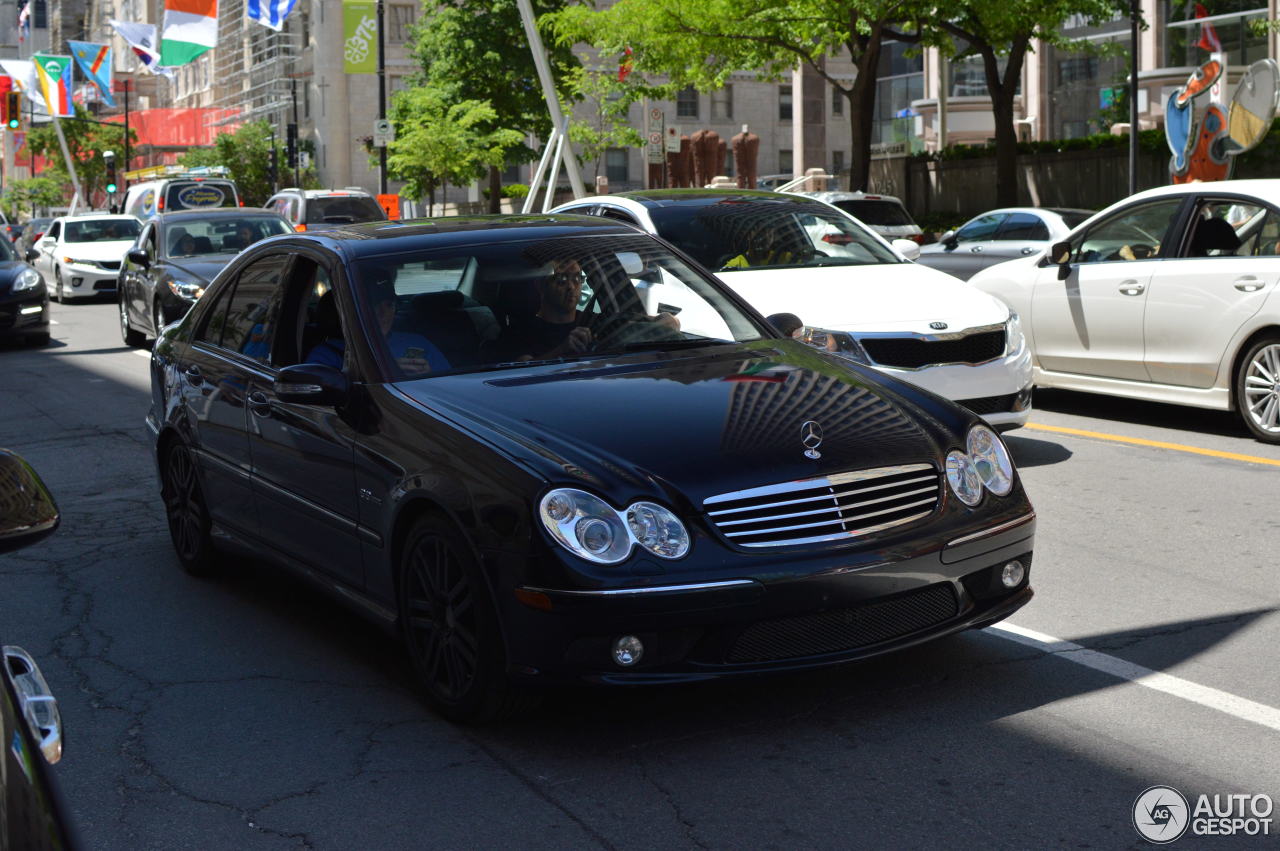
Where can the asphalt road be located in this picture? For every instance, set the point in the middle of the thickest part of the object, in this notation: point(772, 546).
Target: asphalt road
point(245, 713)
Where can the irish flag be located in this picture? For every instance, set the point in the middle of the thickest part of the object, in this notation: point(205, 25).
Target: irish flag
point(190, 28)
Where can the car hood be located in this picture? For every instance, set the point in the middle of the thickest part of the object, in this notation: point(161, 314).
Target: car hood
point(204, 267)
point(97, 250)
point(902, 297)
point(691, 424)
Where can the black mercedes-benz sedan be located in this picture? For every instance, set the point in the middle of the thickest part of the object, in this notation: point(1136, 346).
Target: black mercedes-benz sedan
point(554, 449)
point(176, 256)
point(24, 299)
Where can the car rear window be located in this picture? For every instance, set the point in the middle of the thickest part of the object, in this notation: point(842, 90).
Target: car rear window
point(343, 209)
point(883, 213)
point(1074, 218)
point(198, 194)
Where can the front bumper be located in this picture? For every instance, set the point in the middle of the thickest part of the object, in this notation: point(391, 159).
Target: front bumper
point(24, 313)
point(83, 281)
point(999, 391)
point(774, 620)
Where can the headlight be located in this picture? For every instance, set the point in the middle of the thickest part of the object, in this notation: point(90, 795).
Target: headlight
point(984, 463)
point(28, 279)
point(589, 527)
point(838, 343)
point(184, 290)
point(1013, 336)
point(72, 261)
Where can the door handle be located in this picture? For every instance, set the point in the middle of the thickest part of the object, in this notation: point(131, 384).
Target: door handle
point(1131, 288)
point(1249, 284)
point(194, 377)
point(1028, 251)
point(977, 249)
point(259, 403)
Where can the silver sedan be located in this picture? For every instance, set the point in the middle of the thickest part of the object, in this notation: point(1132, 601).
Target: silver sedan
point(999, 235)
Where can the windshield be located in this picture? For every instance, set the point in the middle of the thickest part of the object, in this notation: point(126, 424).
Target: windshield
point(504, 305)
point(883, 213)
point(102, 230)
point(761, 233)
point(192, 237)
point(343, 209)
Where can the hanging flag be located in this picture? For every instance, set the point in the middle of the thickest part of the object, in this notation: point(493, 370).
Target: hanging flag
point(24, 22)
point(141, 39)
point(53, 84)
point(270, 13)
point(95, 63)
point(359, 37)
point(24, 76)
point(1208, 34)
point(190, 28)
point(625, 65)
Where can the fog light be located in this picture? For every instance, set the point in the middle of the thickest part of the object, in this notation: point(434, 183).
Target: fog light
point(75, 282)
point(1012, 574)
point(627, 650)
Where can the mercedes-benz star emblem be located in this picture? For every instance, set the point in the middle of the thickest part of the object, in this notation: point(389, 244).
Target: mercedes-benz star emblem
point(811, 437)
point(938, 326)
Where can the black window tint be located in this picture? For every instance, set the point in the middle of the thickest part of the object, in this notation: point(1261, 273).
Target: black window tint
point(1023, 226)
point(981, 228)
point(343, 209)
point(214, 309)
point(883, 213)
point(619, 215)
point(251, 315)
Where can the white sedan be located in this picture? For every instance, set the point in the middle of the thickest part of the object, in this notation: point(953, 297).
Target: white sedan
point(858, 295)
point(80, 256)
point(1169, 295)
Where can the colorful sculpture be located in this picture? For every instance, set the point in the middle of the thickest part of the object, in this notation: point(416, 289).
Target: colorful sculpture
point(1205, 150)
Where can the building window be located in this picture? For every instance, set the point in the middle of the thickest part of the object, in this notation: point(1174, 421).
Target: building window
point(400, 19)
point(1083, 83)
point(1231, 21)
point(837, 101)
point(687, 103)
point(722, 103)
point(39, 15)
point(837, 162)
point(785, 162)
point(784, 104)
point(900, 81)
point(615, 166)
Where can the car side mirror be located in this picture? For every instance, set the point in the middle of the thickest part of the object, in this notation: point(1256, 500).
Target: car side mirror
point(786, 324)
point(1060, 254)
point(907, 248)
point(32, 255)
point(948, 239)
point(28, 512)
point(312, 384)
point(138, 257)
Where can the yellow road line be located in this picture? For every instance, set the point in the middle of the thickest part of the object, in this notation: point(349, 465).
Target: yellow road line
point(1158, 444)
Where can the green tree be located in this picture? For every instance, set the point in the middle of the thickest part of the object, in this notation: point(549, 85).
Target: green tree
point(441, 139)
point(86, 140)
point(701, 43)
point(246, 154)
point(1003, 31)
point(23, 196)
point(607, 102)
point(477, 51)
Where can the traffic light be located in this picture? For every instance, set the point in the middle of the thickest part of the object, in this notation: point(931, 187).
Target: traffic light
point(13, 110)
point(109, 158)
point(273, 169)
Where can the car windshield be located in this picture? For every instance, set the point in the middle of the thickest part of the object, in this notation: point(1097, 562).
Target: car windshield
point(762, 233)
point(876, 212)
point(504, 305)
point(102, 230)
point(192, 237)
point(343, 209)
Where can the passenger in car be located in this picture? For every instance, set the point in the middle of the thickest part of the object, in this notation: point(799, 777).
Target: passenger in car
point(414, 353)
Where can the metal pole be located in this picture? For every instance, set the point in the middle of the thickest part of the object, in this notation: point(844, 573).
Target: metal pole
point(1133, 96)
point(549, 92)
point(297, 145)
point(944, 85)
point(125, 183)
point(382, 101)
point(71, 168)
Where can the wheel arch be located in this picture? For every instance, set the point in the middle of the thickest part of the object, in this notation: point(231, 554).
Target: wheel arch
point(1238, 358)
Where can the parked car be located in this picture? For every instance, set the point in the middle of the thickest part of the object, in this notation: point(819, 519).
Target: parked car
point(317, 209)
point(180, 192)
point(13, 230)
point(906, 320)
point(80, 256)
point(998, 236)
point(174, 259)
point(1169, 295)
point(35, 816)
point(24, 299)
point(32, 232)
point(884, 214)
point(673, 491)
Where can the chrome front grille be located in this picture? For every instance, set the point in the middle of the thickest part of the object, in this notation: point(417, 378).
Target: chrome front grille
point(830, 508)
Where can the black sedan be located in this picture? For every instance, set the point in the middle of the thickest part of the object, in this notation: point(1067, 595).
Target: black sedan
point(553, 449)
point(24, 300)
point(175, 258)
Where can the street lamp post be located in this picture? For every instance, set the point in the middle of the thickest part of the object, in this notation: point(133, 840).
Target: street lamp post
point(1133, 96)
point(382, 100)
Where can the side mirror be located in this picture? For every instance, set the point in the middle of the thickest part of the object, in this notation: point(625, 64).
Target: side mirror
point(27, 510)
point(138, 257)
point(948, 239)
point(32, 255)
point(907, 248)
point(786, 324)
point(312, 384)
point(1060, 254)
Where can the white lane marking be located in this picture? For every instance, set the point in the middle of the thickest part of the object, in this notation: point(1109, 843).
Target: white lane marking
point(1212, 698)
point(142, 353)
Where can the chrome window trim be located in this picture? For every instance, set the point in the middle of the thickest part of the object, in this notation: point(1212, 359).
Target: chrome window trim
point(994, 530)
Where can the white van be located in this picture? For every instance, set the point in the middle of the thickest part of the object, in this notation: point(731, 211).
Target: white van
point(180, 193)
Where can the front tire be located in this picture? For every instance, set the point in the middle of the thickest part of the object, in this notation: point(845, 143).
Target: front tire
point(184, 508)
point(1257, 389)
point(55, 291)
point(450, 626)
point(131, 337)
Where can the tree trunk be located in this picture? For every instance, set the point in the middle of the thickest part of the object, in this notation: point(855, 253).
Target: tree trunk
point(1003, 90)
point(495, 190)
point(862, 102)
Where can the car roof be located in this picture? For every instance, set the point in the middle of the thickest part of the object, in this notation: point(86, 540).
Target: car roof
point(369, 238)
point(840, 195)
point(697, 197)
point(206, 212)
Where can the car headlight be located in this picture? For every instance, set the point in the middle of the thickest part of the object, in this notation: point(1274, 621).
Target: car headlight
point(1013, 336)
point(182, 289)
point(589, 527)
point(28, 279)
point(839, 343)
point(985, 463)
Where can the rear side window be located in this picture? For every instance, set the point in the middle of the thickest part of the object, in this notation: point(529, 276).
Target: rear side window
point(1021, 226)
point(883, 213)
point(251, 314)
point(192, 195)
point(343, 209)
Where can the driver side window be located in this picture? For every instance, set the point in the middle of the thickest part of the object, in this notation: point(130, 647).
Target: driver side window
point(1136, 233)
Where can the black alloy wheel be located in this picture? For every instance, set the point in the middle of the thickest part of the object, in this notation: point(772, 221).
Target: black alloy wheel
point(131, 338)
point(185, 510)
point(450, 626)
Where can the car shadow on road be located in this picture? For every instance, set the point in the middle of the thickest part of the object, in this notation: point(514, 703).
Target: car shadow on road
point(1139, 412)
point(1035, 452)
